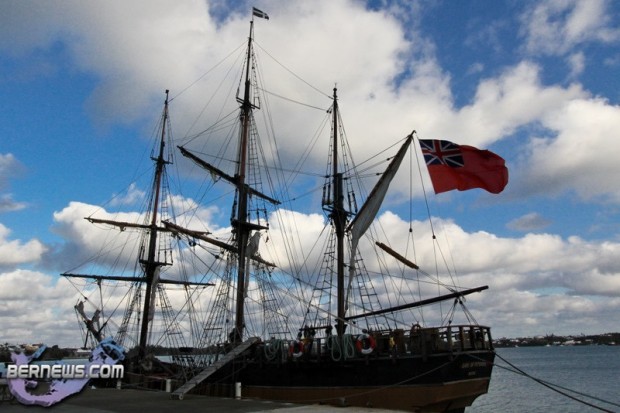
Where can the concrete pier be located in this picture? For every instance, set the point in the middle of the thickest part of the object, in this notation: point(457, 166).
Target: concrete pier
point(142, 401)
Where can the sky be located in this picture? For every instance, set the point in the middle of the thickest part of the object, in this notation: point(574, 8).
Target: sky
point(534, 81)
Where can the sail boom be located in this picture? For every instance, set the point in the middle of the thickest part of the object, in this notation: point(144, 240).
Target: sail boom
point(207, 166)
point(181, 282)
point(396, 255)
point(233, 180)
point(249, 225)
point(133, 279)
point(419, 303)
point(122, 225)
point(104, 277)
point(200, 235)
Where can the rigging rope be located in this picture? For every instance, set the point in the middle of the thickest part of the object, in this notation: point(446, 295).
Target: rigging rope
point(292, 100)
point(291, 72)
point(207, 72)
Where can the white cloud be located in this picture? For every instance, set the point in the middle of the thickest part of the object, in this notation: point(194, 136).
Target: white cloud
point(572, 159)
point(8, 204)
point(15, 252)
point(533, 261)
point(514, 268)
point(10, 167)
point(529, 222)
point(586, 270)
point(514, 99)
point(137, 51)
point(36, 307)
point(554, 27)
point(577, 63)
point(389, 83)
point(132, 196)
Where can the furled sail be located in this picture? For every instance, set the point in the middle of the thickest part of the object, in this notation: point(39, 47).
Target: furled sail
point(369, 210)
point(154, 284)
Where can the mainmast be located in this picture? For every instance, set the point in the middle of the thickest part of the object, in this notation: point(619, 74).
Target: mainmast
point(241, 225)
point(338, 216)
point(150, 265)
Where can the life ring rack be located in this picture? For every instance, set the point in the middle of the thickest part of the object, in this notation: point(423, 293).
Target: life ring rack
point(365, 344)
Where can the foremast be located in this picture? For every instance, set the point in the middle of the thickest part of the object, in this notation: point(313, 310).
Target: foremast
point(148, 260)
point(151, 266)
point(149, 256)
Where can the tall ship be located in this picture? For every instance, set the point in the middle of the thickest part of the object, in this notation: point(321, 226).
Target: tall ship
point(257, 309)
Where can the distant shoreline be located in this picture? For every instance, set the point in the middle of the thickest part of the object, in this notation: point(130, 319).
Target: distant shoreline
point(607, 339)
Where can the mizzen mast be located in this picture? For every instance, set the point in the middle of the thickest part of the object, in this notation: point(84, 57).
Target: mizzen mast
point(338, 216)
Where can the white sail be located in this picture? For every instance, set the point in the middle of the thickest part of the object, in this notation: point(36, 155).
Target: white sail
point(369, 210)
point(154, 284)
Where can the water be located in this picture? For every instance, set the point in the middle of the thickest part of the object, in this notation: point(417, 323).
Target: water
point(593, 370)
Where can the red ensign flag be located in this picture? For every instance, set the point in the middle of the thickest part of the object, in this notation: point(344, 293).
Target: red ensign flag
point(463, 167)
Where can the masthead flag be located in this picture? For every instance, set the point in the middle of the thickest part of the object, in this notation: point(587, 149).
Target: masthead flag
point(259, 13)
point(463, 167)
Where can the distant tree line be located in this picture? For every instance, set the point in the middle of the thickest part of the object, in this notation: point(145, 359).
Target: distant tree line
point(50, 353)
point(552, 339)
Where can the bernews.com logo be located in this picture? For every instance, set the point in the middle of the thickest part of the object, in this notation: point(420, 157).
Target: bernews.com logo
point(65, 371)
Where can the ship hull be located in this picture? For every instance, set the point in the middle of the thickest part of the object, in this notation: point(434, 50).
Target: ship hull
point(436, 383)
point(446, 397)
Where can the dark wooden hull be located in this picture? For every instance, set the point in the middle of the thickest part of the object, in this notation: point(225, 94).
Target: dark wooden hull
point(446, 397)
point(435, 383)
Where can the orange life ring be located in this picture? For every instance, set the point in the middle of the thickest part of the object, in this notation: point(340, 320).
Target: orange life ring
point(296, 348)
point(365, 343)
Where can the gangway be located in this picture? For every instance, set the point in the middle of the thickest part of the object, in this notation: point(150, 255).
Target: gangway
point(208, 371)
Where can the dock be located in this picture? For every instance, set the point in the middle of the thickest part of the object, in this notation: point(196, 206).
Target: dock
point(106, 400)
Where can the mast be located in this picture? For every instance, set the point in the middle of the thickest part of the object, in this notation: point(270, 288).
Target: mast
point(150, 265)
point(338, 216)
point(151, 257)
point(241, 227)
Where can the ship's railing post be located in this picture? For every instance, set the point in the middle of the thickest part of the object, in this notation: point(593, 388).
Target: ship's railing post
point(488, 339)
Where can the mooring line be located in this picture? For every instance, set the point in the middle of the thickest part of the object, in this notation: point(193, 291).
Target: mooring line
point(555, 387)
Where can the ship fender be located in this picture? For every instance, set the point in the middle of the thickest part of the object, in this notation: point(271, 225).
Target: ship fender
point(296, 349)
point(365, 344)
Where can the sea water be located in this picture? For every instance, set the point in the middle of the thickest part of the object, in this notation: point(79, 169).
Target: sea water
point(591, 370)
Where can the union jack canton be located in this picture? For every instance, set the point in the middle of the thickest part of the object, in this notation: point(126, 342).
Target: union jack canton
point(438, 152)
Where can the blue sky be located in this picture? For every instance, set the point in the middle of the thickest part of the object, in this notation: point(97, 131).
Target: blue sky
point(534, 81)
